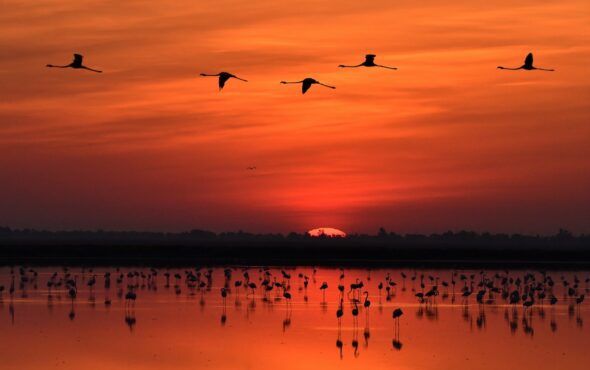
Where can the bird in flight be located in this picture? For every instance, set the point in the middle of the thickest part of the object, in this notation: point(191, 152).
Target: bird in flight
point(223, 77)
point(369, 62)
point(76, 63)
point(306, 84)
point(251, 168)
point(528, 65)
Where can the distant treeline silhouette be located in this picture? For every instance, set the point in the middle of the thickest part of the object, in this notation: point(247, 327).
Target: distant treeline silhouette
point(207, 247)
point(463, 235)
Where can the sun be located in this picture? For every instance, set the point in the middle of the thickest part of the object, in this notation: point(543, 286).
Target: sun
point(327, 231)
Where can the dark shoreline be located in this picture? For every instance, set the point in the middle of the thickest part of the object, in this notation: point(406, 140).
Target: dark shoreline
point(142, 250)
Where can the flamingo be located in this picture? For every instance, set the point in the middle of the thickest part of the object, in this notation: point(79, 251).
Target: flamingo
point(223, 295)
point(287, 297)
point(528, 65)
point(366, 303)
point(355, 310)
point(223, 77)
point(130, 297)
point(76, 64)
point(369, 62)
point(306, 84)
point(340, 312)
point(323, 289)
point(396, 314)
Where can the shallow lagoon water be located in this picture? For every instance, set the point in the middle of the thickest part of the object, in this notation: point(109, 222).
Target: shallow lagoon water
point(193, 327)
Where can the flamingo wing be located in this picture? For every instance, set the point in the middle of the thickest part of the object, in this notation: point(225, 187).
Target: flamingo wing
point(305, 86)
point(223, 79)
point(528, 61)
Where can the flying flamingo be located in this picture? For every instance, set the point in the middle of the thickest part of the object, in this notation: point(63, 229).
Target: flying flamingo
point(76, 64)
point(223, 77)
point(369, 62)
point(528, 65)
point(306, 84)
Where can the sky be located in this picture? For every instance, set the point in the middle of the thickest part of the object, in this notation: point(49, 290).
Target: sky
point(445, 142)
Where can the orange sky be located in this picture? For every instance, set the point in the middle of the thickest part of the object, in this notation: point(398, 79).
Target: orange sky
point(447, 141)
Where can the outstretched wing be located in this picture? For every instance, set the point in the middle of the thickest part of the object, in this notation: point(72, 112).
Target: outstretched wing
point(528, 61)
point(223, 79)
point(305, 86)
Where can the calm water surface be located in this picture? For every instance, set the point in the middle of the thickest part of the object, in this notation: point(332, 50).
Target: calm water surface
point(180, 325)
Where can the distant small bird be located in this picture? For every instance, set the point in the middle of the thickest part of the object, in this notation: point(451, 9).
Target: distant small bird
point(528, 65)
point(306, 84)
point(251, 168)
point(76, 64)
point(369, 62)
point(223, 77)
point(397, 313)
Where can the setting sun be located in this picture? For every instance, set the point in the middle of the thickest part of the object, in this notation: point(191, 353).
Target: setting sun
point(327, 231)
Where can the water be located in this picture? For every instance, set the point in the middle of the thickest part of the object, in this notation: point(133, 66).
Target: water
point(195, 330)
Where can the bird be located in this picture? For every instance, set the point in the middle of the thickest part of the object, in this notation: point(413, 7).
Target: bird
point(528, 65)
point(251, 168)
point(306, 84)
point(340, 311)
point(131, 296)
point(369, 62)
point(287, 297)
point(366, 303)
point(76, 64)
point(396, 314)
point(355, 310)
point(223, 77)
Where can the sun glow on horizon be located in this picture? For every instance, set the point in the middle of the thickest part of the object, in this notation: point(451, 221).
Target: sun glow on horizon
point(327, 231)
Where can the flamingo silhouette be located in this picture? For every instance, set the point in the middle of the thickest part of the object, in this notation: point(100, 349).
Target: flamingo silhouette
point(306, 84)
point(223, 77)
point(340, 313)
point(76, 64)
point(369, 62)
point(528, 65)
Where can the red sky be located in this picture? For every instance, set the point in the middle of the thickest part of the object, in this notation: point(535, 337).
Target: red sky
point(446, 142)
